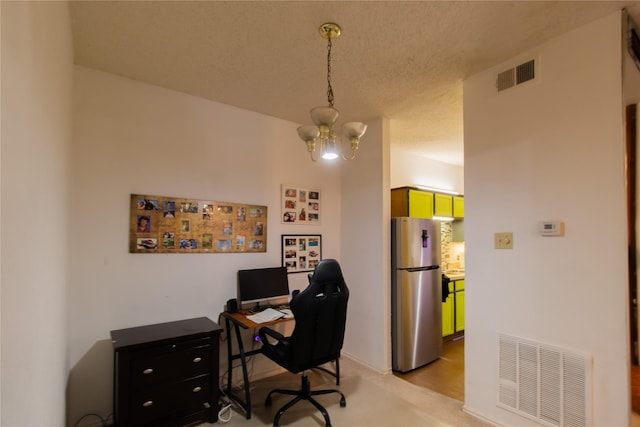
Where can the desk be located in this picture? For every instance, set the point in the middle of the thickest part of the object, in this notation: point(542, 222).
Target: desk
point(239, 320)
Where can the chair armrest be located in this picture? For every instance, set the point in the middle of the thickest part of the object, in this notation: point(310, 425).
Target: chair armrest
point(264, 331)
point(279, 350)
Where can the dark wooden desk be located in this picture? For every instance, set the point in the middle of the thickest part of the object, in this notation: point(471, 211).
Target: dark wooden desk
point(238, 321)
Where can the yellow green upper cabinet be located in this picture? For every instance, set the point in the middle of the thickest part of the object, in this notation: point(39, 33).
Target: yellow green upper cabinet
point(420, 204)
point(413, 203)
point(443, 205)
point(458, 207)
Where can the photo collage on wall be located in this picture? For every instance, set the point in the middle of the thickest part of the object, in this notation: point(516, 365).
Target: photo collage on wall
point(301, 252)
point(300, 205)
point(159, 224)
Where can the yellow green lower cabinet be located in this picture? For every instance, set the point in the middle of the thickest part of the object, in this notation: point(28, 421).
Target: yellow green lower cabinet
point(459, 307)
point(447, 316)
point(453, 309)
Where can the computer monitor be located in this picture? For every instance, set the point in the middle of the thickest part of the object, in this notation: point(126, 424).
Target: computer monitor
point(263, 286)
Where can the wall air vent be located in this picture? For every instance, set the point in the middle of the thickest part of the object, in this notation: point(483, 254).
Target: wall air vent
point(548, 384)
point(516, 75)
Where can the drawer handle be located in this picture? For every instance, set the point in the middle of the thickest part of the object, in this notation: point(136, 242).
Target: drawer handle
point(148, 403)
point(148, 371)
point(197, 359)
point(197, 389)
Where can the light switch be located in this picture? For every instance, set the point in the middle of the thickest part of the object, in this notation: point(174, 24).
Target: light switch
point(503, 240)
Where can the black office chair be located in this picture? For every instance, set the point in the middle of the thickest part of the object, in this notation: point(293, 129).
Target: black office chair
point(320, 312)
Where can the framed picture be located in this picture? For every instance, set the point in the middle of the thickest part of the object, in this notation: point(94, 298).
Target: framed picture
point(301, 252)
point(300, 205)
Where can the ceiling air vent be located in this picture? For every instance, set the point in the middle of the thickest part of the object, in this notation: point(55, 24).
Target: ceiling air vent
point(516, 75)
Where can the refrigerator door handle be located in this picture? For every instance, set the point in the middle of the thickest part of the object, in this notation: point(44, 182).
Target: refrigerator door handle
point(413, 269)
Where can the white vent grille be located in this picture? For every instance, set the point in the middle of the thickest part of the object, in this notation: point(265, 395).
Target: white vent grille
point(516, 75)
point(545, 383)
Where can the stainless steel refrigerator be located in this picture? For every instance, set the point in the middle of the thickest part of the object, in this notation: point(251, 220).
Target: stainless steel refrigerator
point(416, 288)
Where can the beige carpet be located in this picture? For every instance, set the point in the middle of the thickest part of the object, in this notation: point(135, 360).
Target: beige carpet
point(372, 400)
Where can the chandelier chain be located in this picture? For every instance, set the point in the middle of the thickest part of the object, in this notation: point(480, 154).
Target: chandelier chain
point(329, 88)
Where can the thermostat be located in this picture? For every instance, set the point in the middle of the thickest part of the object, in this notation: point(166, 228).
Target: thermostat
point(551, 228)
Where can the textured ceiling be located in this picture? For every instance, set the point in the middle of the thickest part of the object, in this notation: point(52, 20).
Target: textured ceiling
point(402, 60)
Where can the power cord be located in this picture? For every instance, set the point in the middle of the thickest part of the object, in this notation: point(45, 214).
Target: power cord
point(225, 413)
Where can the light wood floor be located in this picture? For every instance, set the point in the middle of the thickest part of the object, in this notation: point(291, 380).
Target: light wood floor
point(445, 375)
point(635, 389)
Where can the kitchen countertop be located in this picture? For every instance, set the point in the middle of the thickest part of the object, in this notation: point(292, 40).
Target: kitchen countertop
point(454, 275)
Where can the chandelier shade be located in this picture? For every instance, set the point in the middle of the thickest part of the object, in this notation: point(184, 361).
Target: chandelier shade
point(308, 132)
point(324, 116)
point(354, 129)
point(321, 137)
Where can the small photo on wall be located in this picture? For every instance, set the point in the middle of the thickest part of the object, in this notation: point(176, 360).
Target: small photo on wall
point(224, 245)
point(169, 209)
point(188, 244)
point(189, 207)
point(144, 224)
point(148, 204)
point(147, 243)
point(168, 239)
point(207, 212)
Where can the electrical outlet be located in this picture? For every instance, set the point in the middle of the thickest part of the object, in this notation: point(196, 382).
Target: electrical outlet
point(503, 240)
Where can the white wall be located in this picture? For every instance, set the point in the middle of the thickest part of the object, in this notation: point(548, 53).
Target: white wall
point(36, 136)
point(409, 169)
point(365, 229)
point(551, 149)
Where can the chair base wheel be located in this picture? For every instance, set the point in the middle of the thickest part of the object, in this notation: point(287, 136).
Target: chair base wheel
point(305, 393)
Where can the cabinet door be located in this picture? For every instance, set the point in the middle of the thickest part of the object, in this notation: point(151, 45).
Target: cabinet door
point(447, 316)
point(459, 304)
point(458, 207)
point(399, 202)
point(444, 205)
point(420, 204)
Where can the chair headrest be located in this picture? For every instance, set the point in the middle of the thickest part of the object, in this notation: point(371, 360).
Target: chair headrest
point(327, 270)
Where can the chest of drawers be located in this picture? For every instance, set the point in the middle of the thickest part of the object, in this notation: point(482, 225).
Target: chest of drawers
point(166, 374)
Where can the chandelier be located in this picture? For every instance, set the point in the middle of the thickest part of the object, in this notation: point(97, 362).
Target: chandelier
point(321, 136)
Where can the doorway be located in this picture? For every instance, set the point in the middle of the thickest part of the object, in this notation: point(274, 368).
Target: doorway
point(631, 113)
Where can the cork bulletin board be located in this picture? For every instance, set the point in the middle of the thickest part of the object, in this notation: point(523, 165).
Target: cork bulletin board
point(161, 224)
